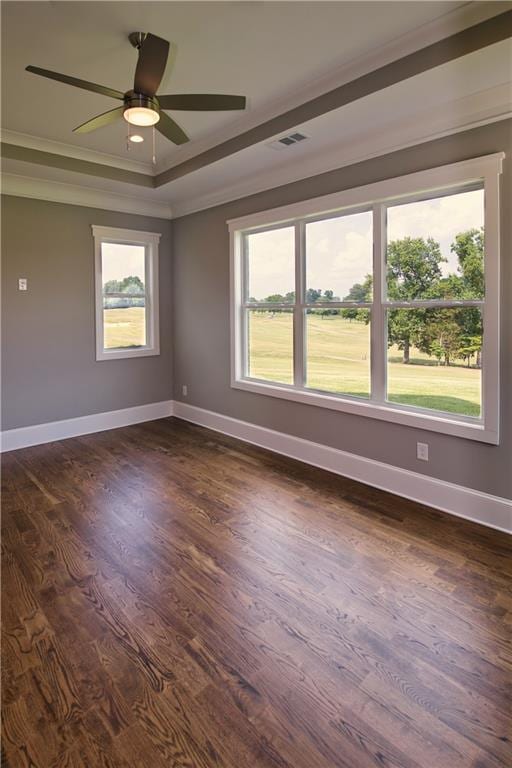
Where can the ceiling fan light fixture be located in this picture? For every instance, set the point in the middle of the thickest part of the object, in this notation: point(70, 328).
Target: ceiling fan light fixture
point(142, 116)
point(141, 105)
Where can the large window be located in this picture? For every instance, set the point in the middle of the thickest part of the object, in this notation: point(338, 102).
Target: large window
point(126, 293)
point(381, 301)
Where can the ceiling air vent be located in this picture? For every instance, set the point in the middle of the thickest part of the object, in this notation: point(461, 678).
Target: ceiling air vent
point(288, 141)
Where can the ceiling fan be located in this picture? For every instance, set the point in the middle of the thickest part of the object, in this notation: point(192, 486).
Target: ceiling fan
point(141, 106)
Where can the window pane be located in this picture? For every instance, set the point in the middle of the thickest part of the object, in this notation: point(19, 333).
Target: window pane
point(435, 248)
point(270, 345)
point(124, 317)
point(271, 265)
point(124, 322)
point(339, 258)
point(338, 351)
point(435, 359)
point(123, 268)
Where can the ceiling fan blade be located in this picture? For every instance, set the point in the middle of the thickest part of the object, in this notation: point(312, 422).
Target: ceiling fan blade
point(76, 82)
point(171, 130)
point(151, 64)
point(202, 102)
point(100, 120)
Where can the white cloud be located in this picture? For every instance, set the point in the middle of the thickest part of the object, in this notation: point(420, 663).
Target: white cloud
point(442, 219)
point(271, 262)
point(339, 250)
point(119, 261)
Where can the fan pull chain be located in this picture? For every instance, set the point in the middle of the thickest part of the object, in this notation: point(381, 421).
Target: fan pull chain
point(128, 139)
point(154, 150)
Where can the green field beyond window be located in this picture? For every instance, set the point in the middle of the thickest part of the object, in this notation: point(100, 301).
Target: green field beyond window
point(310, 308)
point(124, 296)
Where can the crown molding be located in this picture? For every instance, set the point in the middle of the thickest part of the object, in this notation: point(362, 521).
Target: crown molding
point(74, 165)
point(482, 108)
point(448, 24)
point(70, 150)
point(73, 194)
point(421, 129)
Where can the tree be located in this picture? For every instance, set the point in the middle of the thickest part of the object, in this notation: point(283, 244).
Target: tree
point(111, 286)
point(131, 284)
point(274, 298)
point(313, 295)
point(470, 324)
point(328, 295)
point(413, 270)
point(358, 293)
point(470, 346)
point(403, 328)
point(439, 334)
point(469, 247)
point(413, 267)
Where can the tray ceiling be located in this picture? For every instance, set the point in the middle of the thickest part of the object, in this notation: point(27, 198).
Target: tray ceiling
point(263, 50)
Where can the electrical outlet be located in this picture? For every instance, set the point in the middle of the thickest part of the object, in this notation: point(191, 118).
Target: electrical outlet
point(184, 390)
point(22, 284)
point(422, 451)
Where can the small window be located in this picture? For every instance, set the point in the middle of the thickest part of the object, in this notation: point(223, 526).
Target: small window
point(126, 293)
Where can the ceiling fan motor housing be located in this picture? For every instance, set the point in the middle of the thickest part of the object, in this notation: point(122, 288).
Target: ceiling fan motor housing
point(137, 38)
point(133, 99)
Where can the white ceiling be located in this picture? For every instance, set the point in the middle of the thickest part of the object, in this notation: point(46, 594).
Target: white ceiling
point(264, 50)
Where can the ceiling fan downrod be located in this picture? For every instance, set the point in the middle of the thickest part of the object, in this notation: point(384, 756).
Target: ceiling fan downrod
point(137, 38)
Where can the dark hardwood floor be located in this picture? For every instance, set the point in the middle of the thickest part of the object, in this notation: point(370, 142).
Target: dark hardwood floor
point(173, 597)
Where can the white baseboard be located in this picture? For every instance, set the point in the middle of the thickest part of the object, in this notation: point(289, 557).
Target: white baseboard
point(12, 439)
point(493, 511)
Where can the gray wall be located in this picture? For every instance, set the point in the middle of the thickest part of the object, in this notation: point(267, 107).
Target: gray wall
point(49, 370)
point(201, 326)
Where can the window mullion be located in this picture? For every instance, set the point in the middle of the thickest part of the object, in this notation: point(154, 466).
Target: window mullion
point(244, 314)
point(299, 344)
point(378, 338)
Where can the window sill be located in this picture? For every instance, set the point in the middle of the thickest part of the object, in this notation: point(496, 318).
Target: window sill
point(120, 354)
point(470, 429)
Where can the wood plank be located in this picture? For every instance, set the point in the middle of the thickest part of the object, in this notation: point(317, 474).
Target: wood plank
point(173, 597)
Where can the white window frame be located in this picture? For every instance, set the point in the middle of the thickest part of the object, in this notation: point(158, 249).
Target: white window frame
point(150, 241)
point(456, 177)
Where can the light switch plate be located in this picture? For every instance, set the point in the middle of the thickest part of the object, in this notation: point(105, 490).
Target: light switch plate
point(22, 284)
point(422, 451)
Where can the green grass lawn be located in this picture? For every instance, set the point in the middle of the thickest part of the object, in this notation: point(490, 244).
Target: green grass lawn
point(124, 327)
point(338, 361)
